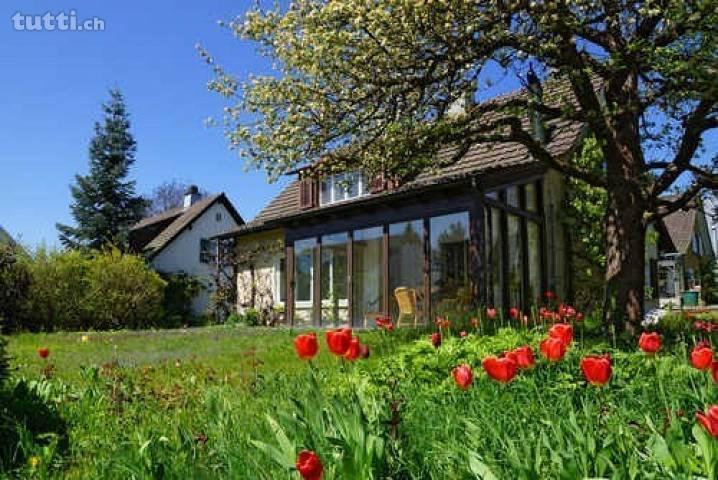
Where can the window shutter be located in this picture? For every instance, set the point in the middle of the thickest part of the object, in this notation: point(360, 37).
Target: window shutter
point(378, 184)
point(307, 193)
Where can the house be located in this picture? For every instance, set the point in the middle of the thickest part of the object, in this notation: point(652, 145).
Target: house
point(685, 251)
point(485, 229)
point(180, 240)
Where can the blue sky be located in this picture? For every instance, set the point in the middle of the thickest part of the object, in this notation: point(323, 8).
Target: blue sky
point(52, 84)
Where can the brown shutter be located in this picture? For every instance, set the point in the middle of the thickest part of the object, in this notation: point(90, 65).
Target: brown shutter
point(378, 184)
point(307, 193)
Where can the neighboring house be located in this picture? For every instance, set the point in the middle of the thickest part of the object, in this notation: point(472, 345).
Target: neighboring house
point(684, 249)
point(179, 240)
point(486, 229)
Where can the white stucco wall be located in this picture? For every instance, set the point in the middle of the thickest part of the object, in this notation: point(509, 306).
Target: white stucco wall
point(269, 248)
point(182, 254)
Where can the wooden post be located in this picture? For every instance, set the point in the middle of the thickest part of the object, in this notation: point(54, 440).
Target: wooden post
point(427, 270)
point(350, 278)
point(385, 270)
point(289, 265)
point(317, 284)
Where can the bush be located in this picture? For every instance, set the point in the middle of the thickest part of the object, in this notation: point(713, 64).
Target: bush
point(102, 290)
point(180, 291)
point(14, 285)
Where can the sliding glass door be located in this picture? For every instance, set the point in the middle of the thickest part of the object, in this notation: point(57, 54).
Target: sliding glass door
point(304, 281)
point(334, 279)
point(368, 280)
point(406, 262)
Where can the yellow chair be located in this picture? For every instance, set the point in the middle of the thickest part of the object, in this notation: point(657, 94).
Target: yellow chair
point(406, 299)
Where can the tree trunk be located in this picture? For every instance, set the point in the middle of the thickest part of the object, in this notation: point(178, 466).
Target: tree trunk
point(625, 259)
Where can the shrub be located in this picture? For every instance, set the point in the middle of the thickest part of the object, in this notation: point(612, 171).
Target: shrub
point(14, 285)
point(73, 291)
point(122, 292)
point(180, 291)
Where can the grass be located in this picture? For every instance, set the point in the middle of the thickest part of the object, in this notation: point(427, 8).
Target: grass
point(225, 402)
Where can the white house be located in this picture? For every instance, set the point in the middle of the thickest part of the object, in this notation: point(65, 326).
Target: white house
point(179, 240)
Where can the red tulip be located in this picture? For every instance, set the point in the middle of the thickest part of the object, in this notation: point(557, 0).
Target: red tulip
point(502, 369)
point(596, 369)
point(44, 352)
point(553, 349)
point(522, 356)
point(549, 295)
point(436, 339)
point(514, 313)
point(462, 334)
point(702, 356)
point(579, 317)
point(710, 420)
point(309, 465)
point(364, 351)
point(339, 340)
point(650, 342)
point(354, 350)
point(306, 345)
point(491, 313)
point(463, 376)
point(562, 331)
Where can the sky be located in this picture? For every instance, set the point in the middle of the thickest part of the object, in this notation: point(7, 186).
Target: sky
point(53, 83)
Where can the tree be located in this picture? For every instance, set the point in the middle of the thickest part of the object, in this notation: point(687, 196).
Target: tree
point(370, 84)
point(167, 196)
point(105, 204)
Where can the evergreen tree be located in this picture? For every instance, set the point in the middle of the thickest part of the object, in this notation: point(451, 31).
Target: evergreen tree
point(105, 204)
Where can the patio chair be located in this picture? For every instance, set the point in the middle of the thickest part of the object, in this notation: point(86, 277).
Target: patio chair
point(406, 299)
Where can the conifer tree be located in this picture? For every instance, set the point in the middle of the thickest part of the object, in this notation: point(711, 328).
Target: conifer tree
point(105, 204)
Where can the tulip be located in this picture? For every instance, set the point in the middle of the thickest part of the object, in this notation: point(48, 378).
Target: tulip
point(522, 356)
point(650, 342)
point(553, 349)
point(562, 331)
point(354, 350)
point(306, 345)
point(596, 369)
point(709, 420)
point(502, 369)
point(338, 340)
point(364, 351)
point(463, 376)
point(514, 313)
point(702, 356)
point(549, 295)
point(309, 465)
point(462, 334)
point(579, 317)
point(491, 313)
point(44, 352)
point(436, 339)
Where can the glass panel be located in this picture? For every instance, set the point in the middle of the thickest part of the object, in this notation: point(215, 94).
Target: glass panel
point(406, 262)
point(304, 281)
point(450, 261)
point(512, 196)
point(515, 262)
point(352, 184)
point(326, 192)
point(339, 187)
point(368, 280)
point(531, 198)
point(534, 262)
point(496, 260)
point(334, 279)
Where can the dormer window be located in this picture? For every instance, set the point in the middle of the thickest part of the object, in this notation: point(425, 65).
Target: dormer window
point(343, 186)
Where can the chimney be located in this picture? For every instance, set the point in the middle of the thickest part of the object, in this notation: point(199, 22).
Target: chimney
point(191, 196)
point(465, 101)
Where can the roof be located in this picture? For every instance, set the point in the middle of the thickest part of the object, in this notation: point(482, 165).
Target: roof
point(151, 235)
point(481, 159)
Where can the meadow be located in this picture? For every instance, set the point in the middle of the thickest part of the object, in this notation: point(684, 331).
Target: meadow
point(237, 402)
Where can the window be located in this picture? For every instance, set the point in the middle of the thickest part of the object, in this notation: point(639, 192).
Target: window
point(343, 186)
point(697, 245)
point(280, 279)
point(207, 250)
point(494, 238)
point(450, 261)
point(334, 278)
point(304, 280)
point(406, 260)
point(218, 216)
point(368, 278)
point(515, 258)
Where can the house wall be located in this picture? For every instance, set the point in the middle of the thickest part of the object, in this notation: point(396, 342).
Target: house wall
point(182, 254)
point(260, 256)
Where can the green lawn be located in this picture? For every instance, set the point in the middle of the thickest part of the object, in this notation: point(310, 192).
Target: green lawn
point(235, 402)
